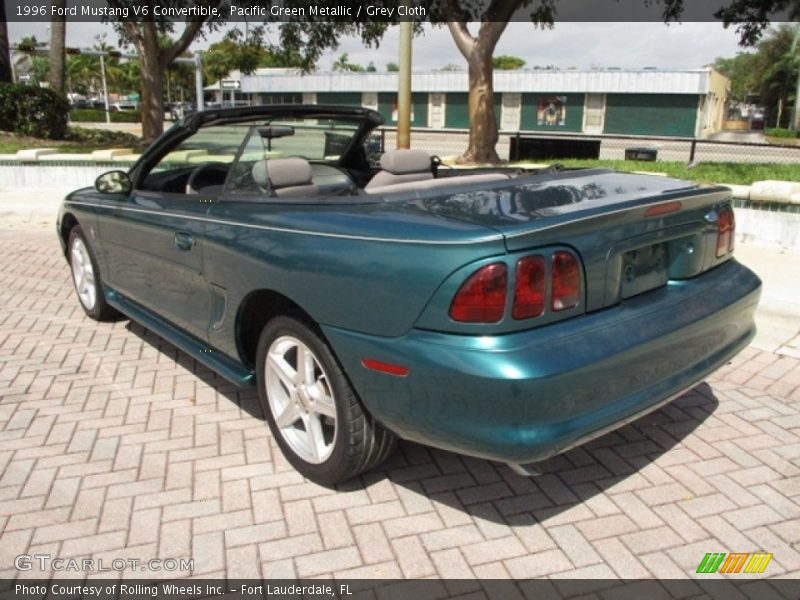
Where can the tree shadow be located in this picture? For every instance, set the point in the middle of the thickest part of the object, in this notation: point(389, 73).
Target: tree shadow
point(244, 398)
point(625, 458)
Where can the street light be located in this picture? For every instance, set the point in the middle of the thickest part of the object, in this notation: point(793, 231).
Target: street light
point(102, 55)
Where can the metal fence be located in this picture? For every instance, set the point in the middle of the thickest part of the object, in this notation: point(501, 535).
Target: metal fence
point(450, 142)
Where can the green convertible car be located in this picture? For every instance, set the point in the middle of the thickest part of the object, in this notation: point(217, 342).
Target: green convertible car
point(495, 313)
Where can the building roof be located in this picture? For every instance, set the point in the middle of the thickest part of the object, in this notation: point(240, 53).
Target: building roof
point(644, 81)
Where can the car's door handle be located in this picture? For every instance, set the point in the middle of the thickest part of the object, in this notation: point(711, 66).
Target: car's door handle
point(184, 241)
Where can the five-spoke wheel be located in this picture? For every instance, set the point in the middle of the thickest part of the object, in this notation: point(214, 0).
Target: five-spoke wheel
point(86, 277)
point(301, 399)
point(314, 414)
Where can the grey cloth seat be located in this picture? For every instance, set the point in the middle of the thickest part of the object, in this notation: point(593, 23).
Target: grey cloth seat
point(402, 166)
point(286, 177)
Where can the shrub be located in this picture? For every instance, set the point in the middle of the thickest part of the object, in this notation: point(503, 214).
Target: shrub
point(102, 137)
point(34, 111)
point(98, 115)
point(779, 132)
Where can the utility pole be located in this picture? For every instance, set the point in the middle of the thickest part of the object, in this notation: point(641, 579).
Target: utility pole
point(102, 54)
point(198, 79)
point(404, 87)
point(105, 85)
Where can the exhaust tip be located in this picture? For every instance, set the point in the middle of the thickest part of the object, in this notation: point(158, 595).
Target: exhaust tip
point(528, 470)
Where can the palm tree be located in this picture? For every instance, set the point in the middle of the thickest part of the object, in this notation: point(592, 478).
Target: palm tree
point(58, 32)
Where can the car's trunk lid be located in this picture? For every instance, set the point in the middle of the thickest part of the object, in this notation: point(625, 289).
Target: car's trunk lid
point(633, 233)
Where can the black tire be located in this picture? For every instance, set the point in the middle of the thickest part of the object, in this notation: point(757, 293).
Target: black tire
point(357, 442)
point(78, 247)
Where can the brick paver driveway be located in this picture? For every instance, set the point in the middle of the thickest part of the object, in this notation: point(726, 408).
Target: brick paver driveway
point(115, 445)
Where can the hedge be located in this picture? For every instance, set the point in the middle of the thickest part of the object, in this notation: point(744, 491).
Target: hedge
point(98, 115)
point(782, 133)
point(33, 111)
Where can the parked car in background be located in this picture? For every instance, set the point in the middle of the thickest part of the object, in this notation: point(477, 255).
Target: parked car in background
point(495, 313)
point(124, 105)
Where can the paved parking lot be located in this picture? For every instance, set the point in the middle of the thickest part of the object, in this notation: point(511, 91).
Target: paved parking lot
point(115, 445)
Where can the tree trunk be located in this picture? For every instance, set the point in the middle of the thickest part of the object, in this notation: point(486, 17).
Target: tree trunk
point(478, 51)
point(5, 54)
point(482, 124)
point(58, 32)
point(152, 74)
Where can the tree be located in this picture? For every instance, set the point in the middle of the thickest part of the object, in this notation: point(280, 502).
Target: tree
point(5, 52)
point(504, 62)
point(741, 71)
point(768, 73)
point(751, 17)
point(478, 50)
point(233, 53)
point(58, 32)
point(245, 54)
point(343, 64)
point(392, 67)
point(83, 73)
point(777, 65)
point(490, 17)
point(155, 58)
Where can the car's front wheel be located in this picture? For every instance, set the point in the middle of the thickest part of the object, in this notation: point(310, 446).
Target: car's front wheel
point(312, 410)
point(86, 277)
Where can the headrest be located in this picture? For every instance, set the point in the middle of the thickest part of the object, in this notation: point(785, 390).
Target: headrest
point(282, 172)
point(404, 161)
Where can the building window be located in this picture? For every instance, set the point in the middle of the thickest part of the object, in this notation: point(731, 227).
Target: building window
point(369, 100)
point(281, 98)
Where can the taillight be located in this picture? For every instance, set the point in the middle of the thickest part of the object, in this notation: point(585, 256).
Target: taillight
point(529, 289)
point(726, 231)
point(482, 297)
point(566, 281)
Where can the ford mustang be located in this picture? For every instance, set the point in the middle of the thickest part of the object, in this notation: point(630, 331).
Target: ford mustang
point(496, 313)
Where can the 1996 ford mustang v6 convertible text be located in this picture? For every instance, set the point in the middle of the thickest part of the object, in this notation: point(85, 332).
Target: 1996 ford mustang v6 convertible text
point(498, 314)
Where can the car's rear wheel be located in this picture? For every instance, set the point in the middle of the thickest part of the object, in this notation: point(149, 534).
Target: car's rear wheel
point(86, 277)
point(312, 410)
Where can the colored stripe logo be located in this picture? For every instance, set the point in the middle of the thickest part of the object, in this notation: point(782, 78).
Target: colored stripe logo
point(735, 562)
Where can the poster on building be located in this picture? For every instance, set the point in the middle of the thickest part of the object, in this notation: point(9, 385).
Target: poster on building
point(551, 111)
point(394, 112)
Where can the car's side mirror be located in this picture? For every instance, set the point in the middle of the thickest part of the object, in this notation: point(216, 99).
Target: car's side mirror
point(113, 182)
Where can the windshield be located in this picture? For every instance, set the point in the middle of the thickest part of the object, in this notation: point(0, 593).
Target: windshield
point(317, 140)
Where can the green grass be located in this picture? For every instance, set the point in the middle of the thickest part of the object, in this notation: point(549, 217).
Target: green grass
point(734, 173)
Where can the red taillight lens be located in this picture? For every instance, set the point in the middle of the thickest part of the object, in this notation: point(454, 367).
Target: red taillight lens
point(566, 281)
point(482, 297)
point(529, 288)
point(726, 231)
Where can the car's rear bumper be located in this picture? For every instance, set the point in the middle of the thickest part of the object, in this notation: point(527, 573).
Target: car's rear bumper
point(523, 397)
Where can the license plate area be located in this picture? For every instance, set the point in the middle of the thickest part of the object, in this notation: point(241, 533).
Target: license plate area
point(643, 269)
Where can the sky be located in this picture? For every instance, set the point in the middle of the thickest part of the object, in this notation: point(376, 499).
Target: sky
point(566, 45)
